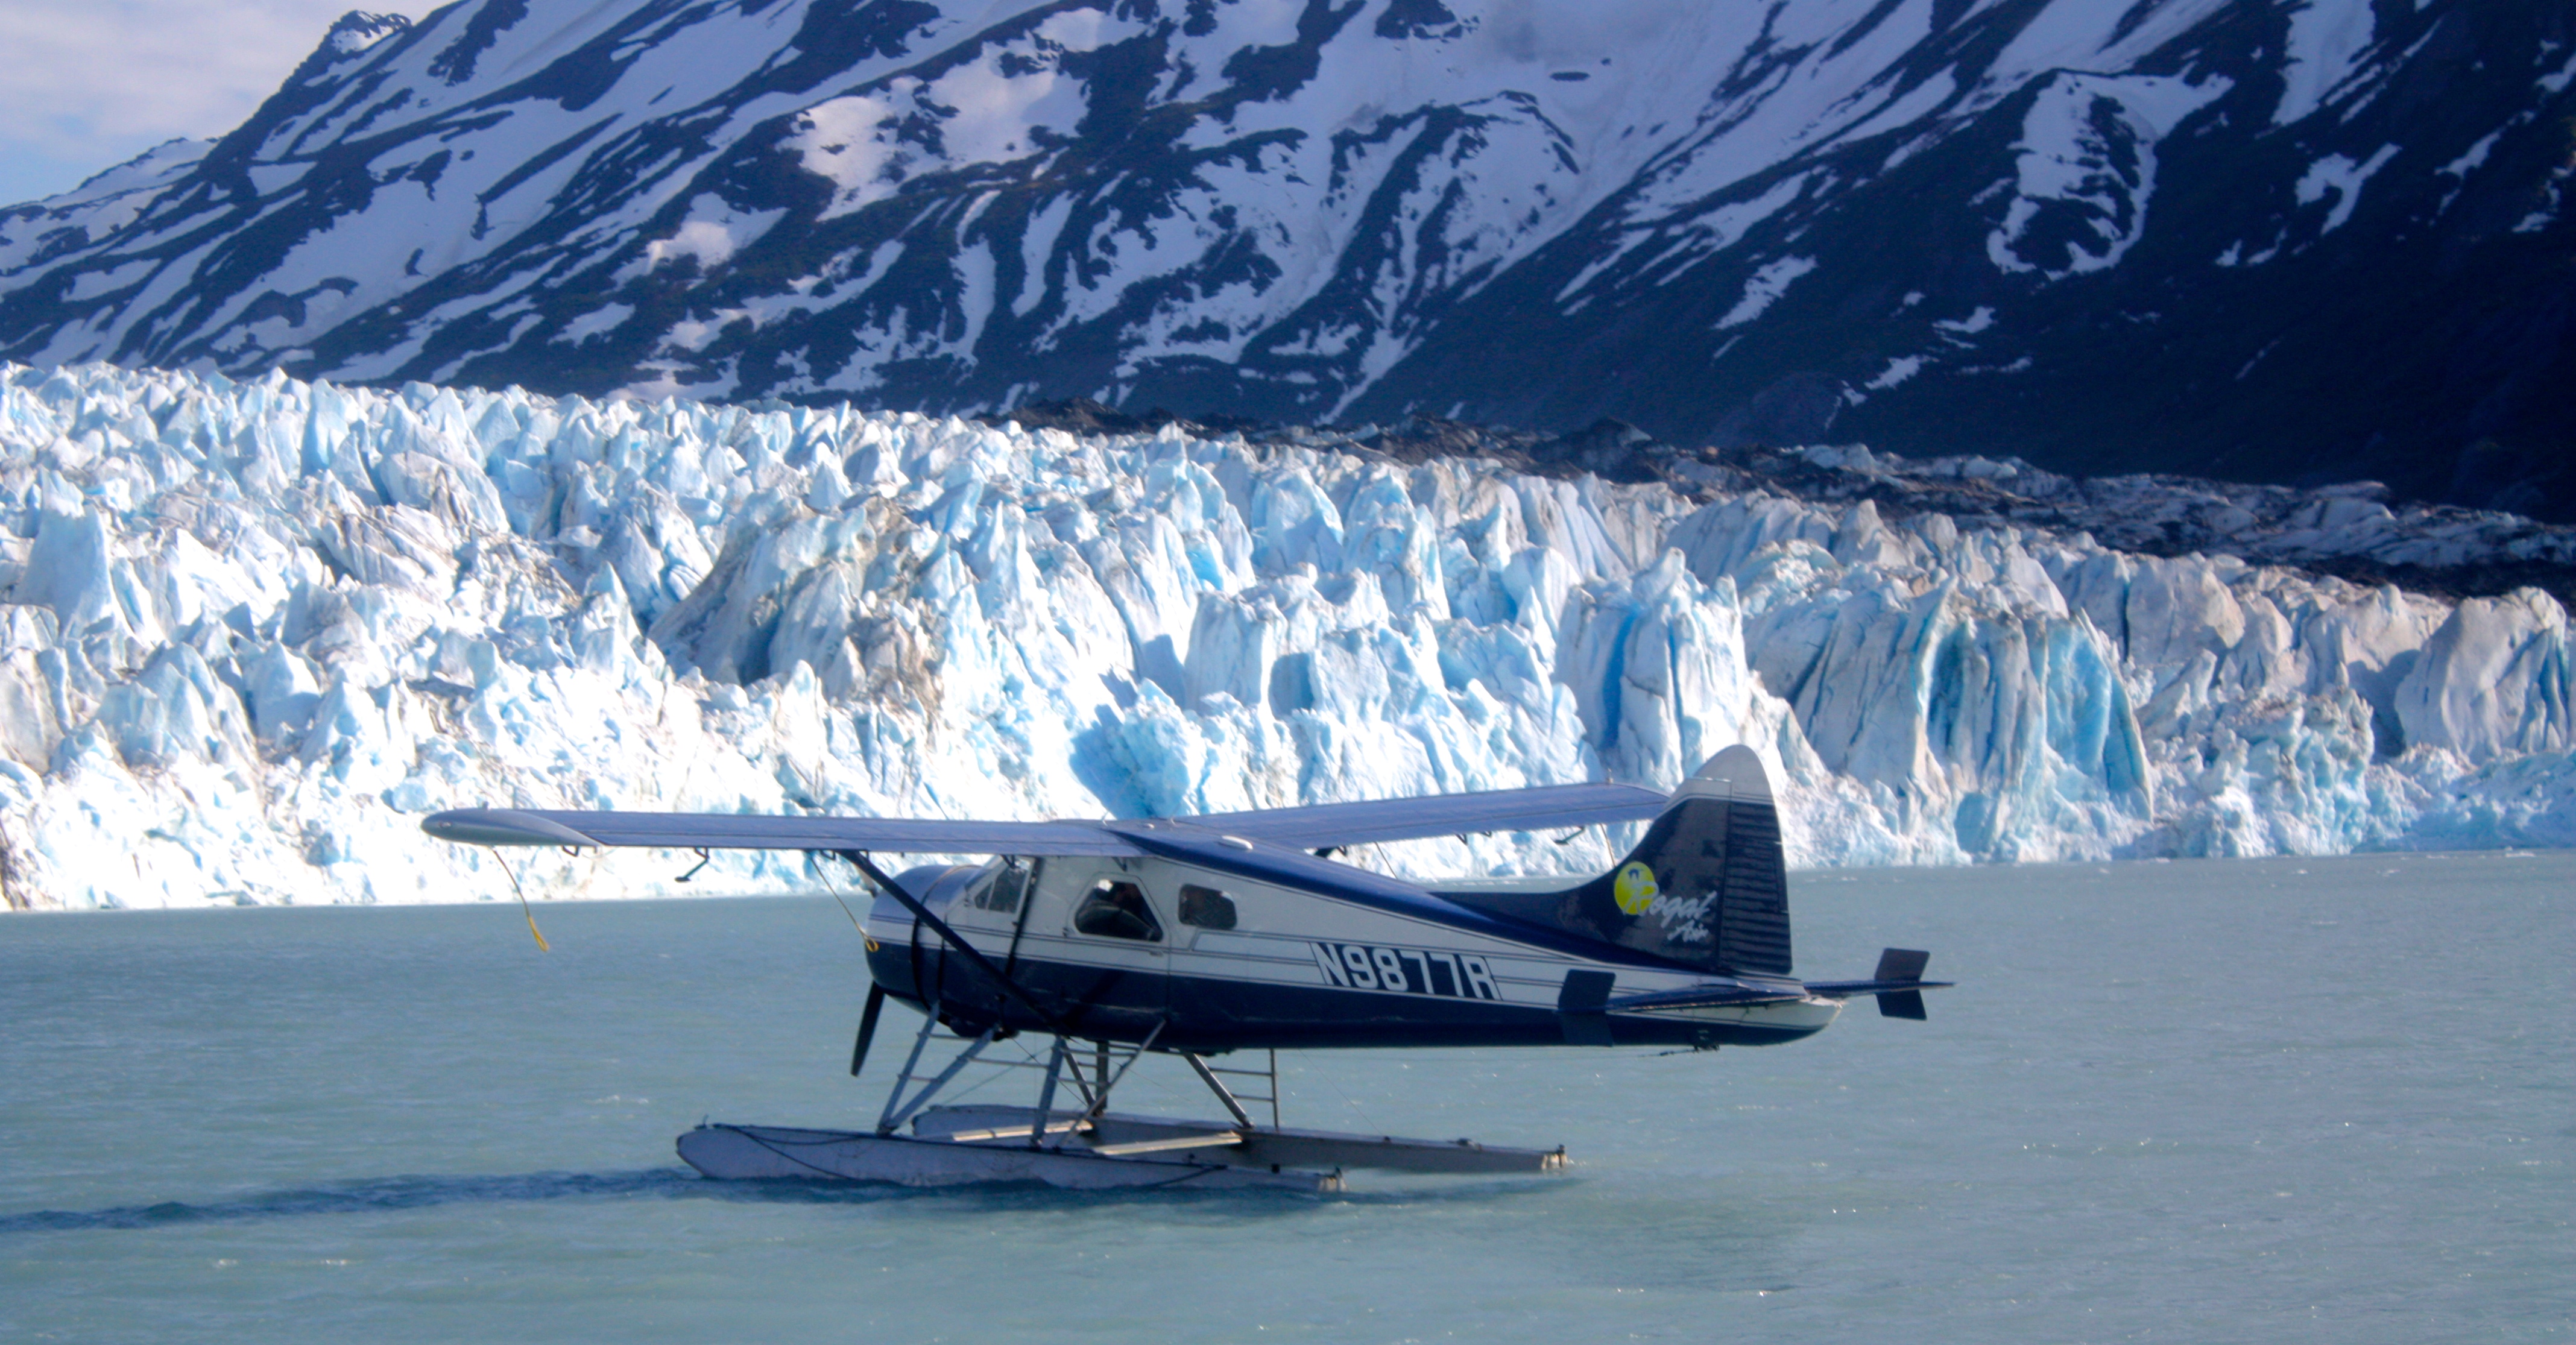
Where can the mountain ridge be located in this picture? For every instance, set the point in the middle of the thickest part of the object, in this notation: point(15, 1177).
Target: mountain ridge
point(2288, 243)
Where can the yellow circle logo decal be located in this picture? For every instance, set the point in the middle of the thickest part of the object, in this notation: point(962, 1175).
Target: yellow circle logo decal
point(1634, 889)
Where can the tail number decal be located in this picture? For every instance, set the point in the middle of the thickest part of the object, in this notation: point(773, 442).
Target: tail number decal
point(1406, 971)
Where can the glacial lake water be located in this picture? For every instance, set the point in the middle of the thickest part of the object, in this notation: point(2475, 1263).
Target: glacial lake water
point(2278, 1100)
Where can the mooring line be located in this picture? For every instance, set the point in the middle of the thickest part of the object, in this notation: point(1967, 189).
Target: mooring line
point(524, 908)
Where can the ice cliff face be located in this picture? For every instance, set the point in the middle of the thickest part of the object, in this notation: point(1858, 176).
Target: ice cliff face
point(252, 631)
point(2263, 240)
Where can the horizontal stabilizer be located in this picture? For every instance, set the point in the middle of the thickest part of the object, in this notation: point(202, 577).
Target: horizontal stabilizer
point(1855, 989)
point(1899, 984)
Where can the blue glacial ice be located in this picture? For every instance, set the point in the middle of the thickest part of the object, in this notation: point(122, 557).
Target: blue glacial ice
point(252, 631)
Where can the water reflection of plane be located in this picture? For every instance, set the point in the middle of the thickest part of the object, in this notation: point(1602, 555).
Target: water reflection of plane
point(1237, 932)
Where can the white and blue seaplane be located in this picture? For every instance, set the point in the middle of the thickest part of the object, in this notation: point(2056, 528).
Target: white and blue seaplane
point(1203, 937)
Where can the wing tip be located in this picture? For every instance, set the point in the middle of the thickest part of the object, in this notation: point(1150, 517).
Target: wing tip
point(500, 826)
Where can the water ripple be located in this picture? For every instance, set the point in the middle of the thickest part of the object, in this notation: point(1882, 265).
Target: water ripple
point(412, 1192)
point(357, 1197)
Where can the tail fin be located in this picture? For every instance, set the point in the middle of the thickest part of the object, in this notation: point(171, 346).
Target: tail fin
point(1707, 886)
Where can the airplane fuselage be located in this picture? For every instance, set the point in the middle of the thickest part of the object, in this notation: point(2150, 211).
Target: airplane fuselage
point(1216, 944)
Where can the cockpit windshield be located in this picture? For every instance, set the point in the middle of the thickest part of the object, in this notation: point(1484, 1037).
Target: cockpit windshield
point(1000, 887)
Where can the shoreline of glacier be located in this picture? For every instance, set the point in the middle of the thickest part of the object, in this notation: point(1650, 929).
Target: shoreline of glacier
point(251, 631)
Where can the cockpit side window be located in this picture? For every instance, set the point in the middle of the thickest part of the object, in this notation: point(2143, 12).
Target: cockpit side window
point(1206, 908)
point(1118, 910)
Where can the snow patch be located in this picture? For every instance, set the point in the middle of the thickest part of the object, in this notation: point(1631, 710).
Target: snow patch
point(1766, 285)
point(1897, 371)
point(712, 232)
point(2339, 176)
point(602, 319)
point(2556, 81)
point(850, 143)
point(2087, 170)
point(2474, 157)
point(2327, 40)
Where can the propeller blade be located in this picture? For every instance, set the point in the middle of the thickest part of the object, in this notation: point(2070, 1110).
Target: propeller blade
point(867, 1028)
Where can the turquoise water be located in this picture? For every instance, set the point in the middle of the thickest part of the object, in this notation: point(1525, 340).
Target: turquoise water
point(2266, 1100)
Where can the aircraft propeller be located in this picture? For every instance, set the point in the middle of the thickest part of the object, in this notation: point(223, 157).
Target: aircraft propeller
point(867, 1027)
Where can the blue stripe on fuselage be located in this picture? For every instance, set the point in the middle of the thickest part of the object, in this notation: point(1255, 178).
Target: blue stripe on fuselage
point(1223, 1013)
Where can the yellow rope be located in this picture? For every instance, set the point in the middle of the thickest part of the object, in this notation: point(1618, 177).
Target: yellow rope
point(854, 922)
point(524, 908)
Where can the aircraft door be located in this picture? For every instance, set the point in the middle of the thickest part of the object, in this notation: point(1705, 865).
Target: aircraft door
point(1117, 940)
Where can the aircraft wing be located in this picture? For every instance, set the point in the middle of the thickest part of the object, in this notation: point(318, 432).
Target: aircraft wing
point(744, 831)
point(1330, 824)
point(1542, 809)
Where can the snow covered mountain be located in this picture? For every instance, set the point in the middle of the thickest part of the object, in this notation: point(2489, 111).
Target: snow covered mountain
point(250, 632)
point(2250, 239)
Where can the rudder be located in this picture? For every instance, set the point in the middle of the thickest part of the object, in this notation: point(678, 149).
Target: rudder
point(1708, 886)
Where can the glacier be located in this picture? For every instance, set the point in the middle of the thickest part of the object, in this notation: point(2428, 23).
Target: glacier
point(251, 631)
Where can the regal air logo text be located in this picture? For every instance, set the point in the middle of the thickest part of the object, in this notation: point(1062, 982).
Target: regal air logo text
point(1410, 971)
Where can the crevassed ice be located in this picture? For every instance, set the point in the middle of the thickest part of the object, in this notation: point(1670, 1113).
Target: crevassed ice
point(252, 631)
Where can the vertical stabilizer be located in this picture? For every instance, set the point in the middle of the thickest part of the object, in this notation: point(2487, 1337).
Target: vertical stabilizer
point(1708, 885)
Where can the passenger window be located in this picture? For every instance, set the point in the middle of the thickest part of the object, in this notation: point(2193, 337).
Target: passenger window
point(1118, 911)
point(1206, 907)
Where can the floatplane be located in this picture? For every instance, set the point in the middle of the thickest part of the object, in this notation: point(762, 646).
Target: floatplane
point(1212, 937)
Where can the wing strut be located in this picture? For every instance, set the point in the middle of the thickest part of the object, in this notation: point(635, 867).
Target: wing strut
point(1217, 1086)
